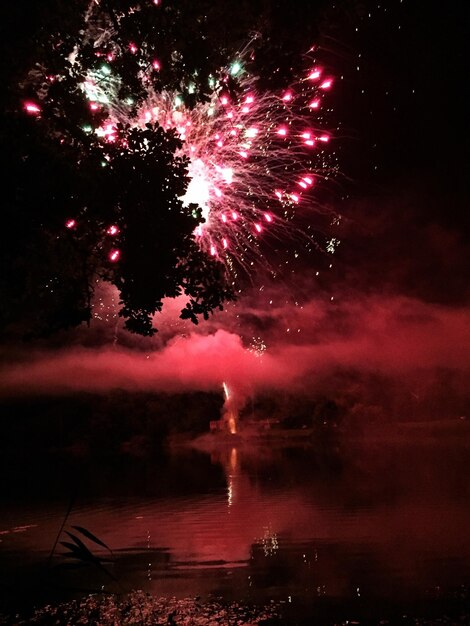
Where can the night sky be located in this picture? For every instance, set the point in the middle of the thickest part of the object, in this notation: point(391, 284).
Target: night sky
point(403, 106)
point(407, 100)
point(395, 301)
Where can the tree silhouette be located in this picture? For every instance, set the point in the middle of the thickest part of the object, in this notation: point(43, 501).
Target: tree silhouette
point(79, 210)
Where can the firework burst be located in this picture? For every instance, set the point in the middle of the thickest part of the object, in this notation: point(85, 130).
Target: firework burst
point(254, 156)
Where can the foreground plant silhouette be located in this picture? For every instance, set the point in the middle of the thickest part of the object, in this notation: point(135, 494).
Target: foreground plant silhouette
point(78, 554)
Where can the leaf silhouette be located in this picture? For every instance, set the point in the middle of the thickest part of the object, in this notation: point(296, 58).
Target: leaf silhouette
point(80, 543)
point(92, 537)
point(79, 552)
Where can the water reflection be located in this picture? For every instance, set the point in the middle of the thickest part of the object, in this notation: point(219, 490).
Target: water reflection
point(382, 520)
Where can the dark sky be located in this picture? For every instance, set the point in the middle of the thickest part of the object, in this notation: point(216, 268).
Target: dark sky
point(402, 103)
point(404, 95)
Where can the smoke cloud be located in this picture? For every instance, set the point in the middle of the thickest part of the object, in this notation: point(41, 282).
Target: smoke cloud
point(396, 337)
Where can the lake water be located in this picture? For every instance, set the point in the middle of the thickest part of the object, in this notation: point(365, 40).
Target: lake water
point(381, 520)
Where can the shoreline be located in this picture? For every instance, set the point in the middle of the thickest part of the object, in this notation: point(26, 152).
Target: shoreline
point(144, 609)
point(397, 432)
